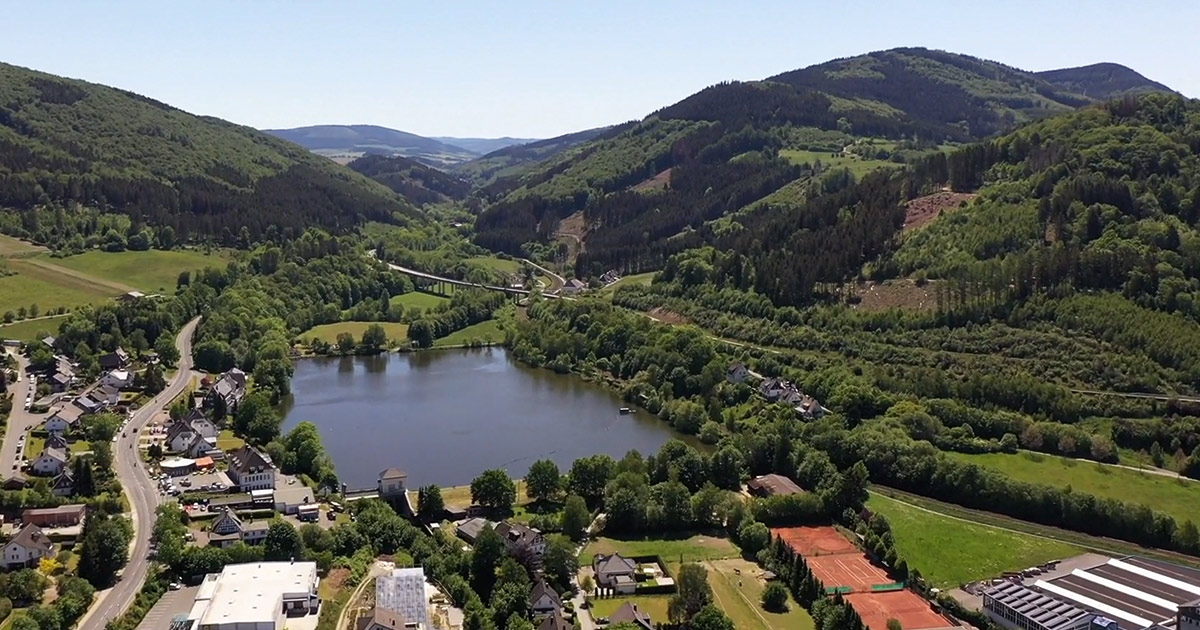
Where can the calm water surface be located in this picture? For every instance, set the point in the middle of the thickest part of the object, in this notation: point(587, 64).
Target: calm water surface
point(444, 416)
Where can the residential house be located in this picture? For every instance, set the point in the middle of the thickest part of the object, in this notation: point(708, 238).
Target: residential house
point(251, 469)
point(555, 621)
point(615, 572)
point(573, 286)
point(231, 388)
point(89, 404)
point(120, 379)
point(403, 591)
point(773, 388)
point(106, 395)
point(202, 447)
point(737, 373)
point(61, 516)
point(523, 542)
point(630, 613)
point(50, 463)
point(773, 485)
point(49, 341)
point(470, 530)
point(544, 600)
point(131, 297)
point(391, 483)
point(64, 419)
point(610, 276)
point(228, 529)
point(114, 360)
point(381, 619)
point(56, 440)
point(27, 548)
point(64, 484)
point(180, 436)
point(15, 482)
point(201, 424)
point(810, 409)
point(60, 381)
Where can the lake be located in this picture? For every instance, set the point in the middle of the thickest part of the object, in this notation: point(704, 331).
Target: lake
point(444, 416)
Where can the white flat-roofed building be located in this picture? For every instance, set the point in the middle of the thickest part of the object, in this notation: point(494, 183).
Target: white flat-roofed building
point(404, 592)
point(256, 596)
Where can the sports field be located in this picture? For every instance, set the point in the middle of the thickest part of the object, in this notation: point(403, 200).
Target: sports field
point(904, 606)
point(1179, 498)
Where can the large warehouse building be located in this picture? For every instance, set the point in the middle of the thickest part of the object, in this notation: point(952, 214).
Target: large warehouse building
point(255, 596)
point(1133, 592)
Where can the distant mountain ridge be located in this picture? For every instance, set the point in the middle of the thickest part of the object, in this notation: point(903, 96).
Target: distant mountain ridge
point(483, 146)
point(1101, 80)
point(374, 140)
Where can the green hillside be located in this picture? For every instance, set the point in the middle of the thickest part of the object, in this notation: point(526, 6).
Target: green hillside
point(416, 182)
point(656, 187)
point(67, 140)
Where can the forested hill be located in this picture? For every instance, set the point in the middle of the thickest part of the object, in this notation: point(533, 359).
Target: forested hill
point(639, 193)
point(1101, 80)
point(64, 140)
point(372, 139)
point(513, 161)
point(411, 179)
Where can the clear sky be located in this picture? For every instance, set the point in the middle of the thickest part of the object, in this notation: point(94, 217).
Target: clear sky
point(538, 69)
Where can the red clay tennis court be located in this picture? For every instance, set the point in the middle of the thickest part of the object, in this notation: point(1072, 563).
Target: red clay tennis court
point(911, 611)
point(815, 541)
point(852, 570)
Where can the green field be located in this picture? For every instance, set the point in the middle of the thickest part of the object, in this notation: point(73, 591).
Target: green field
point(950, 552)
point(49, 289)
point(228, 442)
point(28, 330)
point(396, 332)
point(1178, 498)
point(740, 596)
point(499, 264)
point(653, 605)
point(641, 278)
point(15, 247)
point(488, 331)
point(672, 550)
point(425, 301)
point(153, 271)
point(857, 165)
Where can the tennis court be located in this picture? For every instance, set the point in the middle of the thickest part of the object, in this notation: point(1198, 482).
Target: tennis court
point(848, 570)
point(811, 541)
point(904, 606)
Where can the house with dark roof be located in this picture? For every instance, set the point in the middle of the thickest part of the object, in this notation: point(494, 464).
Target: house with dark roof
point(60, 382)
point(27, 548)
point(251, 469)
point(63, 485)
point(630, 613)
point(50, 463)
point(106, 395)
point(114, 360)
point(15, 482)
point(470, 530)
point(230, 388)
point(773, 485)
point(229, 529)
point(544, 600)
point(555, 621)
point(383, 619)
point(737, 373)
point(202, 447)
point(64, 419)
point(616, 572)
point(523, 542)
point(391, 483)
point(56, 440)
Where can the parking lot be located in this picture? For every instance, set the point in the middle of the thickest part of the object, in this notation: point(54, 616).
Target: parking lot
point(172, 603)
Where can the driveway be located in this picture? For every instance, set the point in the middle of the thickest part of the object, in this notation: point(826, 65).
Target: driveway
point(172, 603)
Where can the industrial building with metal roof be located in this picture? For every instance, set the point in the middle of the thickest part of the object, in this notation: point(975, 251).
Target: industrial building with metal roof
point(1022, 607)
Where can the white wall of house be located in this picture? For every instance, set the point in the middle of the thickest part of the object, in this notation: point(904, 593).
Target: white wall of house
point(17, 556)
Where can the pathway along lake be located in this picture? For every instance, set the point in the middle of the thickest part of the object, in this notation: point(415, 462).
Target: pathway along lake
point(444, 416)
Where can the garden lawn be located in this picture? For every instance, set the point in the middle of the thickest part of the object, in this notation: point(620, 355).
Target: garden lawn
point(228, 442)
point(653, 605)
point(697, 548)
point(151, 271)
point(425, 301)
point(48, 288)
point(396, 332)
point(950, 552)
point(740, 596)
point(28, 330)
point(486, 332)
point(1178, 498)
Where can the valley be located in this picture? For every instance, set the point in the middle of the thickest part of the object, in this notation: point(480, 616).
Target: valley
point(934, 312)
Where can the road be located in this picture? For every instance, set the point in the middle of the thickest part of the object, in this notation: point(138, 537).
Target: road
point(463, 283)
point(143, 496)
point(1164, 397)
point(19, 420)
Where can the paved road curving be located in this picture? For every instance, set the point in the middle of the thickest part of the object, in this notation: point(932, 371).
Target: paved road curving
point(143, 496)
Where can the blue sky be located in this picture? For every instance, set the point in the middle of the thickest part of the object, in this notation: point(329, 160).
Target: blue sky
point(538, 69)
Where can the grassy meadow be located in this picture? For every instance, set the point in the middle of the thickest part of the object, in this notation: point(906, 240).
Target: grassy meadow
point(28, 330)
point(857, 165)
point(396, 332)
point(425, 301)
point(1179, 498)
point(153, 271)
point(950, 552)
point(488, 331)
point(48, 288)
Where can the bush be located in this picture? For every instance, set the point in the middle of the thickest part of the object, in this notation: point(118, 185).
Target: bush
point(775, 597)
point(5, 608)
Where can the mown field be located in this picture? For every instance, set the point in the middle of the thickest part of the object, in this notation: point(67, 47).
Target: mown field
point(857, 165)
point(28, 330)
point(48, 288)
point(329, 332)
point(950, 552)
point(637, 279)
point(10, 247)
point(1179, 498)
point(424, 301)
point(488, 332)
point(153, 271)
point(696, 548)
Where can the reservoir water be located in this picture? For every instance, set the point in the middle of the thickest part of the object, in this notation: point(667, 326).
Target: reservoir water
point(444, 416)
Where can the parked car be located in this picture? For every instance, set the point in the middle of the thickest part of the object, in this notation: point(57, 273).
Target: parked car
point(174, 586)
